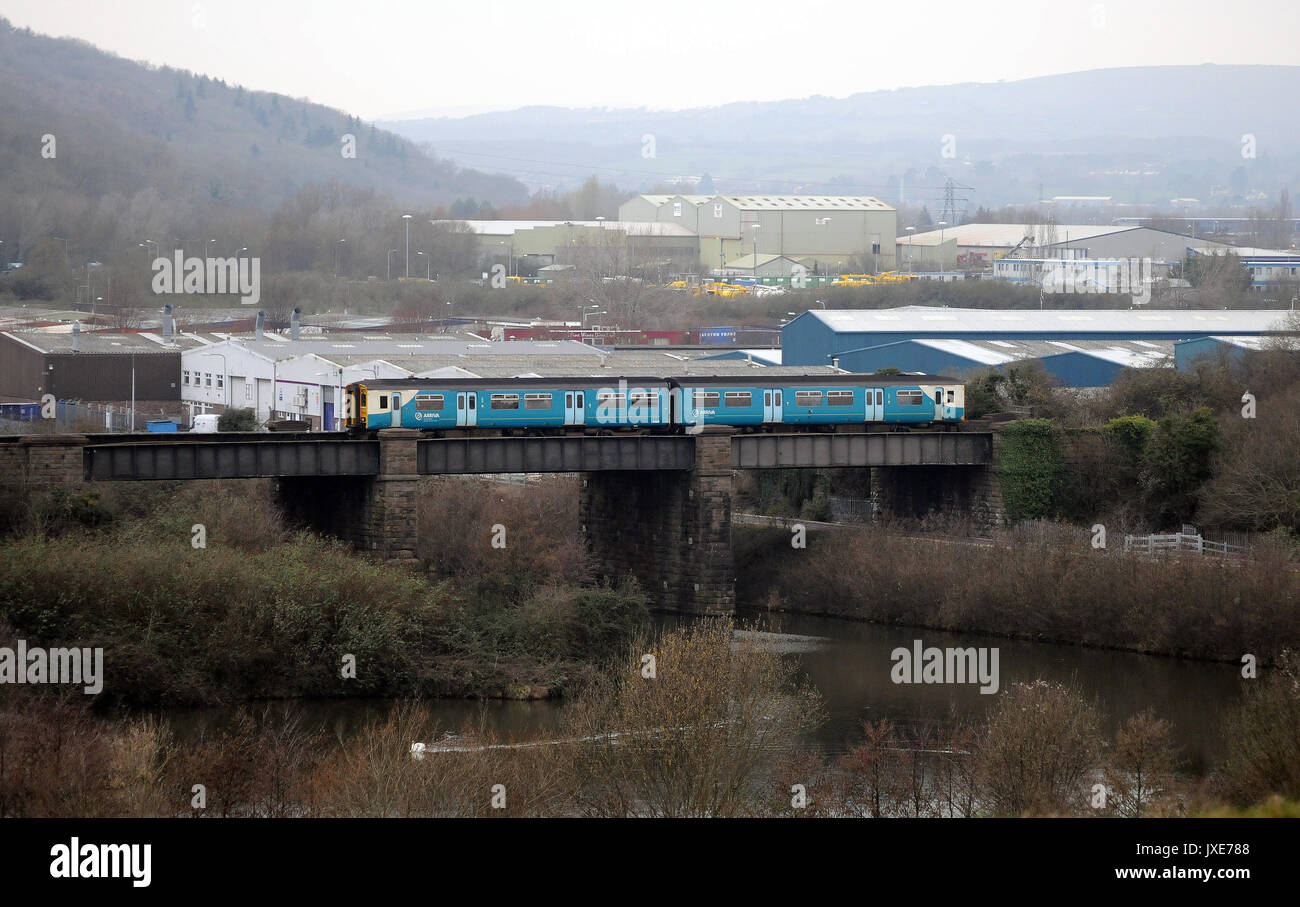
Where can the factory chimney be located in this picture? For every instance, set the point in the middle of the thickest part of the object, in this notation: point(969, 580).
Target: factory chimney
point(294, 323)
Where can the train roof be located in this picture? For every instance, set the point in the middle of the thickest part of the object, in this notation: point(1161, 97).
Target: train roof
point(610, 381)
point(596, 381)
point(849, 378)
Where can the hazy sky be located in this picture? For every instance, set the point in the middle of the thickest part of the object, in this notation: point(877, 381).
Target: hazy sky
point(381, 58)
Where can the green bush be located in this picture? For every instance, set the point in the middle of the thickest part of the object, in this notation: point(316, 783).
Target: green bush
point(1030, 469)
point(237, 420)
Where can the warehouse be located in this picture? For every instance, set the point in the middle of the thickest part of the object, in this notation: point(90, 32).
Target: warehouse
point(1081, 363)
point(816, 336)
point(824, 231)
point(1186, 352)
point(973, 245)
point(90, 366)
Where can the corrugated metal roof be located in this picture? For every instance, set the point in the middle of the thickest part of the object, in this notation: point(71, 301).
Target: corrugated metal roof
point(911, 319)
point(1009, 235)
point(807, 203)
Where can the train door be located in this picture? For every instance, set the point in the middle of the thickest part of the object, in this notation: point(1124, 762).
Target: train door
point(772, 406)
point(875, 403)
point(938, 404)
point(573, 408)
point(396, 403)
point(466, 408)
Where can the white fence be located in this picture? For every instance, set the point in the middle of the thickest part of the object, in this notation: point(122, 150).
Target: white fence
point(1192, 542)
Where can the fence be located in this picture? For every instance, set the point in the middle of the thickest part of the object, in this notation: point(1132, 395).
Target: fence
point(78, 416)
point(1192, 542)
point(850, 510)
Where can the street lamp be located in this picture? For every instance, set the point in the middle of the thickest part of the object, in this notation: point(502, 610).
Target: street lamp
point(756, 228)
point(428, 265)
point(205, 247)
point(390, 263)
point(407, 218)
point(911, 236)
point(336, 256)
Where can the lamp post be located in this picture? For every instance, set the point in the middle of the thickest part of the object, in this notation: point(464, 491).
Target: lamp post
point(911, 231)
point(407, 218)
point(390, 263)
point(205, 247)
point(756, 228)
point(337, 249)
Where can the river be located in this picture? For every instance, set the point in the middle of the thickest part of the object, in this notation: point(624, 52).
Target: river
point(850, 666)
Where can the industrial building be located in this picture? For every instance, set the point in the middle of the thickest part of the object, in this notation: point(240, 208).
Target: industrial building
point(1187, 352)
point(1081, 363)
point(821, 232)
point(84, 365)
point(973, 245)
point(820, 336)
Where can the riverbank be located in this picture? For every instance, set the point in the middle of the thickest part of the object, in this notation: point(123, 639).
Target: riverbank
point(1038, 591)
point(204, 596)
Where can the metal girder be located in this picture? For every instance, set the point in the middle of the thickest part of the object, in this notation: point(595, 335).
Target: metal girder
point(883, 449)
point(451, 456)
point(230, 460)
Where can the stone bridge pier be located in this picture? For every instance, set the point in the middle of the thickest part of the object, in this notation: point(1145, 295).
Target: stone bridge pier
point(671, 529)
point(378, 514)
point(918, 492)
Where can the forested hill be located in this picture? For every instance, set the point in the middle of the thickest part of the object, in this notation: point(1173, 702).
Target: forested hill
point(122, 128)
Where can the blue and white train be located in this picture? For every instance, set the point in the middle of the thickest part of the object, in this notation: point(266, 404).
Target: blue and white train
point(538, 406)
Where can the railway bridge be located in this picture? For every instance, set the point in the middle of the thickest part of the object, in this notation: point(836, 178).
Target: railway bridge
point(658, 506)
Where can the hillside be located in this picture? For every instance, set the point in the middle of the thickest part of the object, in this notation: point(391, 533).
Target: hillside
point(167, 151)
point(1141, 134)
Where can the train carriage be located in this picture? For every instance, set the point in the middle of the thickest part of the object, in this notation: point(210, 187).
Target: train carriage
point(818, 400)
point(602, 405)
point(509, 404)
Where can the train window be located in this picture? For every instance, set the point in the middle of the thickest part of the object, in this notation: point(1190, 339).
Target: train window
point(703, 399)
point(738, 398)
point(608, 400)
point(839, 398)
point(807, 398)
point(505, 401)
point(426, 403)
point(568, 401)
point(537, 401)
point(910, 398)
point(880, 398)
point(643, 399)
point(473, 400)
point(383, 401)
point(952, 396)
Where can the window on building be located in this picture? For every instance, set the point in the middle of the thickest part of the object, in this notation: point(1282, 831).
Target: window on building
point(677, 209)
point(221, 380)
point(717, 210)
point(910, 398)
point(738, 398)
point(705, 399)
point(537, 401)
point(207, 379)
point(428, 403)
point(807, 398)
point(185, 377)
point(839, 398)
point(504, 401)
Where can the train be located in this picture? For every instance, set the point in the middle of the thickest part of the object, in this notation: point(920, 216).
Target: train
point(605, 405)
